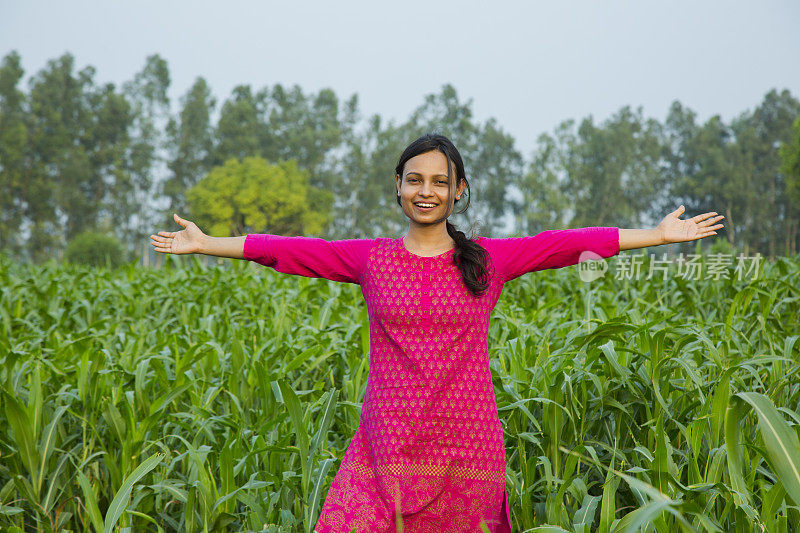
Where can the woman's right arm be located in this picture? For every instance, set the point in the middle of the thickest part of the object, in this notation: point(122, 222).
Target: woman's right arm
point(193, 241)
point(340, 260)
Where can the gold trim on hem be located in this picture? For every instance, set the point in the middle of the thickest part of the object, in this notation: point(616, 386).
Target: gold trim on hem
point(414, 469)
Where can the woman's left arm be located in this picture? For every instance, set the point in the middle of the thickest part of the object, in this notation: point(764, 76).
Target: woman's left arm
point(670, 230)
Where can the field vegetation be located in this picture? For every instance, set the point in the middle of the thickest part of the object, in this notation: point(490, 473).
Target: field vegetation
point(208, 398)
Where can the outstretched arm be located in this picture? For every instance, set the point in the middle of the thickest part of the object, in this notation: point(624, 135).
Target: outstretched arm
point(670, 230)
point(341, 260)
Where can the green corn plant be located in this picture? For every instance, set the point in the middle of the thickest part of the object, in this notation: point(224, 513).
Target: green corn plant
point(250, 383)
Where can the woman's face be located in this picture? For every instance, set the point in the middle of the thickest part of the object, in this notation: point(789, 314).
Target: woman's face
point(425, 188)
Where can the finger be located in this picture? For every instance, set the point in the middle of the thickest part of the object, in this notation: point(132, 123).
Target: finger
point(709, 221)
point(700, 236)
point(160, 246)
point(162, 240)
point(678, 211)
point(704, 216)
point(179, 220)
point(167, 233)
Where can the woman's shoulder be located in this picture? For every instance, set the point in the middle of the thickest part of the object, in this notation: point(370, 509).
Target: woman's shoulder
point(489, 243)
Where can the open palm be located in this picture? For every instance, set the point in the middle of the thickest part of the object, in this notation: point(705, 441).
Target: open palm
point(674, 229)
point(186, 241)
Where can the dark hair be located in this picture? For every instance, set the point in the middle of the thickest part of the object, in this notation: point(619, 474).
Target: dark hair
point(470, 257)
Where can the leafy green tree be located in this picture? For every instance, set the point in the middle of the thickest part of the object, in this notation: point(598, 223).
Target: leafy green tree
point(790, 168)
point(696, 163)
point(192, 146)
point(302, 127)
point(108, 150)
point(253, 195)
point(496, 166)
point(354, 193)
point(545, 202)
point(766, 210)
point(75, 156)
point(681, 156)
point(615, 164)
point(240, 127)
point(734, 169)
point(79, 137)
point(56, 111)
point(95, 248)
point(716, 180)
point(134, 207)
point(13, 153)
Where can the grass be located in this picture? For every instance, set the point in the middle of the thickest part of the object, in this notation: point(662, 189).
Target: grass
point(192, 398)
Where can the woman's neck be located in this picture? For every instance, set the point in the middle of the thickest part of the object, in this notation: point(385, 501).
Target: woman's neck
point(428, 239)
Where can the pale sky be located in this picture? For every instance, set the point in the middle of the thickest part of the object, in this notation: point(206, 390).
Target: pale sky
point(528, 64)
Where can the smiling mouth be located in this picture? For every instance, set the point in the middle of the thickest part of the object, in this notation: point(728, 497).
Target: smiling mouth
point(425, 205)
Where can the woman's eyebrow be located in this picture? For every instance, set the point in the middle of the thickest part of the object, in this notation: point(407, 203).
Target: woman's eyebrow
point(418, 174)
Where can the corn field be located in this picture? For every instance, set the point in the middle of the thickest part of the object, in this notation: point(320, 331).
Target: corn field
point(213, 398)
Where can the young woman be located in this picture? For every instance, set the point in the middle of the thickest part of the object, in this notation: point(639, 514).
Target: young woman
point(429, 445)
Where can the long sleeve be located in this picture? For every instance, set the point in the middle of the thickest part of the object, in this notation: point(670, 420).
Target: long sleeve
point(342, 260)
point(515, 256)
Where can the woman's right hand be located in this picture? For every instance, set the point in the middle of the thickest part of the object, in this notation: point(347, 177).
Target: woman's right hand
point(187, 241)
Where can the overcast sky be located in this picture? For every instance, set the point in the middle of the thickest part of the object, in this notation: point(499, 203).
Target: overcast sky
point(528, 64)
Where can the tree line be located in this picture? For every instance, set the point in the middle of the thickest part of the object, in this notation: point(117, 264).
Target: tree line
point(78, 156)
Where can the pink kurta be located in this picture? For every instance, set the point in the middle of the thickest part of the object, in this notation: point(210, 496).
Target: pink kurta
point(430, 442)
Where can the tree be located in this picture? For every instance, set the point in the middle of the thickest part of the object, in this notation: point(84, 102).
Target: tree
point(147, 95)
point(79, 137)
point(253, 195)
point(681, 155)
point(733, 169)
point(545, 202)
point(759, 134)
point(496, 167)
point(108, 151)
point(192, 146)
point(57, 113)
point(592, 167)
point(239, 127)
point(13, 153)
point(354, 193)
point(302, 127)
point(790, 168)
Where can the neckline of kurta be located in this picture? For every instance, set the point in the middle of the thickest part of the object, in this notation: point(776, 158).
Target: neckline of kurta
point(423, 258)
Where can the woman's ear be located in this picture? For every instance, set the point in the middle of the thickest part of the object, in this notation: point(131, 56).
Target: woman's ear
point(397, 179)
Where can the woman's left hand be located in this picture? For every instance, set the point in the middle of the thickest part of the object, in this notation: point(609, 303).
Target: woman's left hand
point(673, 229)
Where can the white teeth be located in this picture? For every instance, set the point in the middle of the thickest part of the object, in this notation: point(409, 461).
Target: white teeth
point(427, 205)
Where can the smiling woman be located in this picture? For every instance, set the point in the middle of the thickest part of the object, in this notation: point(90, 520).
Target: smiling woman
point(428, 452)
point(430, 180)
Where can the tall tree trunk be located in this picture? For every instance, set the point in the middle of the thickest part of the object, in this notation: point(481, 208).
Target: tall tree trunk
point(729, 223)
